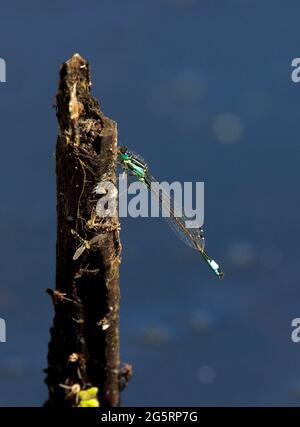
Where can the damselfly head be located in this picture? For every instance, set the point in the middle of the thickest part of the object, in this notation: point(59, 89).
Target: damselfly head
point(123, 150)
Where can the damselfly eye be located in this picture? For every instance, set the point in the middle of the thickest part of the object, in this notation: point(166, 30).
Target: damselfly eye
point(123, 149)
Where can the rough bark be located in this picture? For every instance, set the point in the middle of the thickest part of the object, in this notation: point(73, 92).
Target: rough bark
point(84, 345)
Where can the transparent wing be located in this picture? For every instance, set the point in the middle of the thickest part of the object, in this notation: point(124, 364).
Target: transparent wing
point(79, 252)
point(177, 220)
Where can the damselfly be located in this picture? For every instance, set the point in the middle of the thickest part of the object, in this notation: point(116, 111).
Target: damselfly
point(193, 237)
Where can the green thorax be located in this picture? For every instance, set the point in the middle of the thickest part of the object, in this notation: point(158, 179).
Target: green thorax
point(135, 165)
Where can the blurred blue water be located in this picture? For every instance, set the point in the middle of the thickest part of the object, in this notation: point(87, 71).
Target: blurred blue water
point(202, 90)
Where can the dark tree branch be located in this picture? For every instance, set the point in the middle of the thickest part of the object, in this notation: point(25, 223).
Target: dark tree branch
point(84, 346)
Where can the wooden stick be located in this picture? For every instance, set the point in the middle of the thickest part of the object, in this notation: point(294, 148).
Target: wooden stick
point(84, 346)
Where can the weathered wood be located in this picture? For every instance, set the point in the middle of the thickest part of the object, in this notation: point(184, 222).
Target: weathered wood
point(84, 346)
